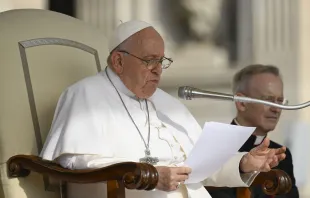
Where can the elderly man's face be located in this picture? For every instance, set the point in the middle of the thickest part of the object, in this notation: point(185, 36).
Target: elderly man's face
point(267, 87)
point(140, 78)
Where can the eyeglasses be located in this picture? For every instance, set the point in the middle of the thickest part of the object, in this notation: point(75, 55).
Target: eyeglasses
point(278, 100)
point(151, 64)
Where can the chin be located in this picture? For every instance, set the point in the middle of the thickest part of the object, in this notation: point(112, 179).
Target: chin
point(145, 95)
point(269, 128)
point(270, 123)
point(150, 94)
point(148, 91)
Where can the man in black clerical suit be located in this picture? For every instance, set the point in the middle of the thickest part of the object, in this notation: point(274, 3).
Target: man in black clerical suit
point(261, 82)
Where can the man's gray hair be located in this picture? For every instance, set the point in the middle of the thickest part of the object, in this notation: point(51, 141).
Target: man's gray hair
point(241, 78)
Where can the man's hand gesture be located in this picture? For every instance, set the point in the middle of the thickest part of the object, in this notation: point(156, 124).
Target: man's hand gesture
point(262, 158)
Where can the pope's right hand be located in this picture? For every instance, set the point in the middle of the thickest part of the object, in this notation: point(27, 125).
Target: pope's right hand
point(171, 177)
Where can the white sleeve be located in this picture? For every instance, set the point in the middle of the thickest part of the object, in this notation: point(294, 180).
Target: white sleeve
point(229, 175)
point(73, 162)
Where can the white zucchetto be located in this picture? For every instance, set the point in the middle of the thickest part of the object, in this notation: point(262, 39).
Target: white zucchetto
point(124, 31)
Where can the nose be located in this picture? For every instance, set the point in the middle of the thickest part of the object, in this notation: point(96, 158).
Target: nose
point(275, 109)
point(157, 70)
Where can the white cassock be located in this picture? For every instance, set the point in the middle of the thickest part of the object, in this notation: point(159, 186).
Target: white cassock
point(92, 129)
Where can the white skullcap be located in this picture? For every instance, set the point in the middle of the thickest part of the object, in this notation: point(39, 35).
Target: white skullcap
point(124, 31)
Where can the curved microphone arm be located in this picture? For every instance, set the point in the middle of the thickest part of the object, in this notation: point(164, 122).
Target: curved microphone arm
point(285, 107)
point(188, 93)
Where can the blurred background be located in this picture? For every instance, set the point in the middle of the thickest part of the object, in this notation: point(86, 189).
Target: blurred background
point(209, 40)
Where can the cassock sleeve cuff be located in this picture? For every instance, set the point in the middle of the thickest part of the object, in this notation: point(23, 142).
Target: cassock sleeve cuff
point(248, 178)
point(230, 176)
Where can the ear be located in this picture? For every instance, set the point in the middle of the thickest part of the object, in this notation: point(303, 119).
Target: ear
point(117, 61)
point(241, 106)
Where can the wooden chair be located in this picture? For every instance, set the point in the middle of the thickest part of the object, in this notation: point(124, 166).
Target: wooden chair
point(130, 175)
point(274, 182)
point(42, 53)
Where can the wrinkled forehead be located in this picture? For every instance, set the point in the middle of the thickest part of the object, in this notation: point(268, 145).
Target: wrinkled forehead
point(148, 42)
point(266, 85)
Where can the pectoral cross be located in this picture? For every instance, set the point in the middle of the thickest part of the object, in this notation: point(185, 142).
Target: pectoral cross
point(148, 159)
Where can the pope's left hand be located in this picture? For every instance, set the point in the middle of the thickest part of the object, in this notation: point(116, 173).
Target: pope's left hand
point(262, 158)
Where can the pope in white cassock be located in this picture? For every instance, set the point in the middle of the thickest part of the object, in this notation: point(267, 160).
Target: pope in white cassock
point(120, 115)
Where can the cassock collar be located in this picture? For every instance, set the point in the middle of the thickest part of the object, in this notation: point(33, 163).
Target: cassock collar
point(118, 83)
point(258, 139)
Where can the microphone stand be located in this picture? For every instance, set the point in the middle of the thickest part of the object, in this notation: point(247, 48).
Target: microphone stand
point(188, 93)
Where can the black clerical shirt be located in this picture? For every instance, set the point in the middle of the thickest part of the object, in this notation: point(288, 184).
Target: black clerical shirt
point(285, 165)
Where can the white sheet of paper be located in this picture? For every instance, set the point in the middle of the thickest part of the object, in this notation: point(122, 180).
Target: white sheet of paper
point(216, 145)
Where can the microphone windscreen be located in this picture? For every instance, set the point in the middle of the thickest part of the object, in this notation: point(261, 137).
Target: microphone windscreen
point(184, 92)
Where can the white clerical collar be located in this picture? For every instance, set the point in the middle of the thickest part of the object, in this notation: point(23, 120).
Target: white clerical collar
point(118, 83)
point(258, 140)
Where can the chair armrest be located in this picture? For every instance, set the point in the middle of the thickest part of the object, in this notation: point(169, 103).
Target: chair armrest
point(140, 176)
point(274, 182)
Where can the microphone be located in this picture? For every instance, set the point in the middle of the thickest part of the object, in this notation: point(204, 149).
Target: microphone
point(188, 93)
